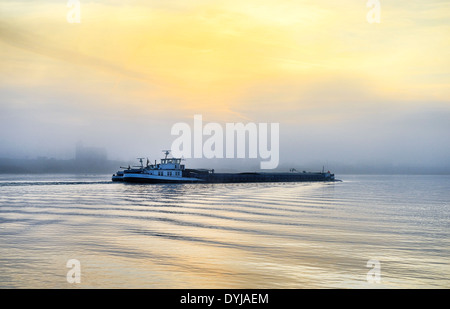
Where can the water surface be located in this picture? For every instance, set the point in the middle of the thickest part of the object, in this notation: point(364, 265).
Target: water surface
point(282, 235)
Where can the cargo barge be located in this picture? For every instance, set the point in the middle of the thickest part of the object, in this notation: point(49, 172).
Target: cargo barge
point(170, 170)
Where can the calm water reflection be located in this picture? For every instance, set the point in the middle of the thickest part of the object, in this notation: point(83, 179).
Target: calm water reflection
point(296, 235)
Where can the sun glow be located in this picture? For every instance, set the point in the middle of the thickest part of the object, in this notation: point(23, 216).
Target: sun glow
point(214, 56)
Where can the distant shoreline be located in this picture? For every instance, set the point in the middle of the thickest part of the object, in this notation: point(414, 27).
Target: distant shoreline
point(58, 166)
point(43, 165)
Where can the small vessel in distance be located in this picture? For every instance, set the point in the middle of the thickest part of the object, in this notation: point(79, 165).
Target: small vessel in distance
point(170, 170)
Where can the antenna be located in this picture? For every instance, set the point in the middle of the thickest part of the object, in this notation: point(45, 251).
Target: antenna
point(140, 160)
point(166, 152)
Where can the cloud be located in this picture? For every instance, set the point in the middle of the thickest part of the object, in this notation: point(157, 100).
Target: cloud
point(36, 43)
point(317, 67)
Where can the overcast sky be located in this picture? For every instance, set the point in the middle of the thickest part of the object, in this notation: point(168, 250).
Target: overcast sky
point(342, 89)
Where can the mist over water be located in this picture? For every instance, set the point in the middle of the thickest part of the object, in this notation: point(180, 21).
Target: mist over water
point(294, 235)
point(379, 142)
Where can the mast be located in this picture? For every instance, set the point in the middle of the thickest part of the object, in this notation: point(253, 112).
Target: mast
point(140, 160)
point(166, 152)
